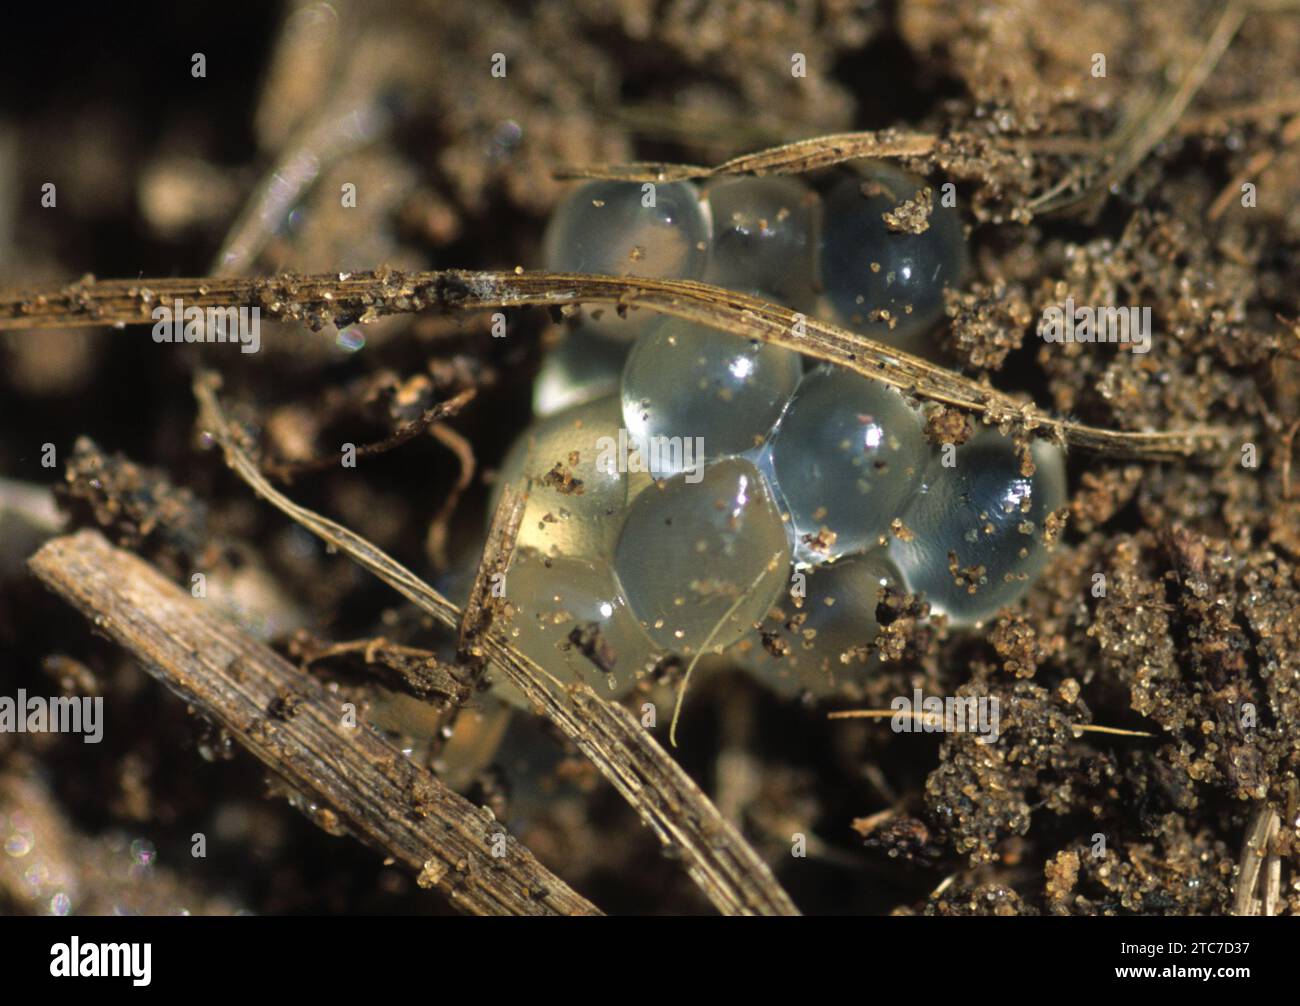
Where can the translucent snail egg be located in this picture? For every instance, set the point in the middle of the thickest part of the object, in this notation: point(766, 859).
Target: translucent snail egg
point(976, 540)
point(869, 266)
point(582, 368)
point(848, 455)
point(764, 238)
point(702, 561)
point(575, 505)
point(687, 380)
point(652, 230)
point(570, 616)
point(828, 639)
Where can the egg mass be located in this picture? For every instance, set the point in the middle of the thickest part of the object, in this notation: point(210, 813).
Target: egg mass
point(757, 501)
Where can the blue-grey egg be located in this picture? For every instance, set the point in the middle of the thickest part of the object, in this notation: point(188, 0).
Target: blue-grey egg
point(974, 538)
point(710, 390)
point(765, 238)
point(848, 455)
point(884, 280)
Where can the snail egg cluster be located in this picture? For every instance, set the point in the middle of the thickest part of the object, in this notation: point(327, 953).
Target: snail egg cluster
point(690, 492)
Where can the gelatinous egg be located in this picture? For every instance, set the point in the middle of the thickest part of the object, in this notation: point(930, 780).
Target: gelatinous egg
point(570, 616)
point(583, 367)
point(688, 381)
point(817, 642)
point(575, 505)
point(848, 455)
point(870, 265)
point(765, 238)
point(654, 230)
point(975, 533)
point(702, 561)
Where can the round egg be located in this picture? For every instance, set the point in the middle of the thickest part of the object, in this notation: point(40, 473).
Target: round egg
point(822, 630)
point(581, 368)
point(571, 618)
point(714, 393)
point(575, 504)
point(847, 456)
point(702, 556)
point(884, 262)
point(656, 230)
point(765, 238)
point(974, 538)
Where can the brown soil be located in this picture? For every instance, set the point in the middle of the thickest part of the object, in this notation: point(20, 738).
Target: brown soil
point(1193, 645)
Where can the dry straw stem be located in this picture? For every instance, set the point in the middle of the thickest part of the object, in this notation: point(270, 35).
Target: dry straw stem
point(787, 159)
point(483, 606)
point(342, 299)
point(1252, 897)
point(292, 724)
point(938, 719)
point(715, 856)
